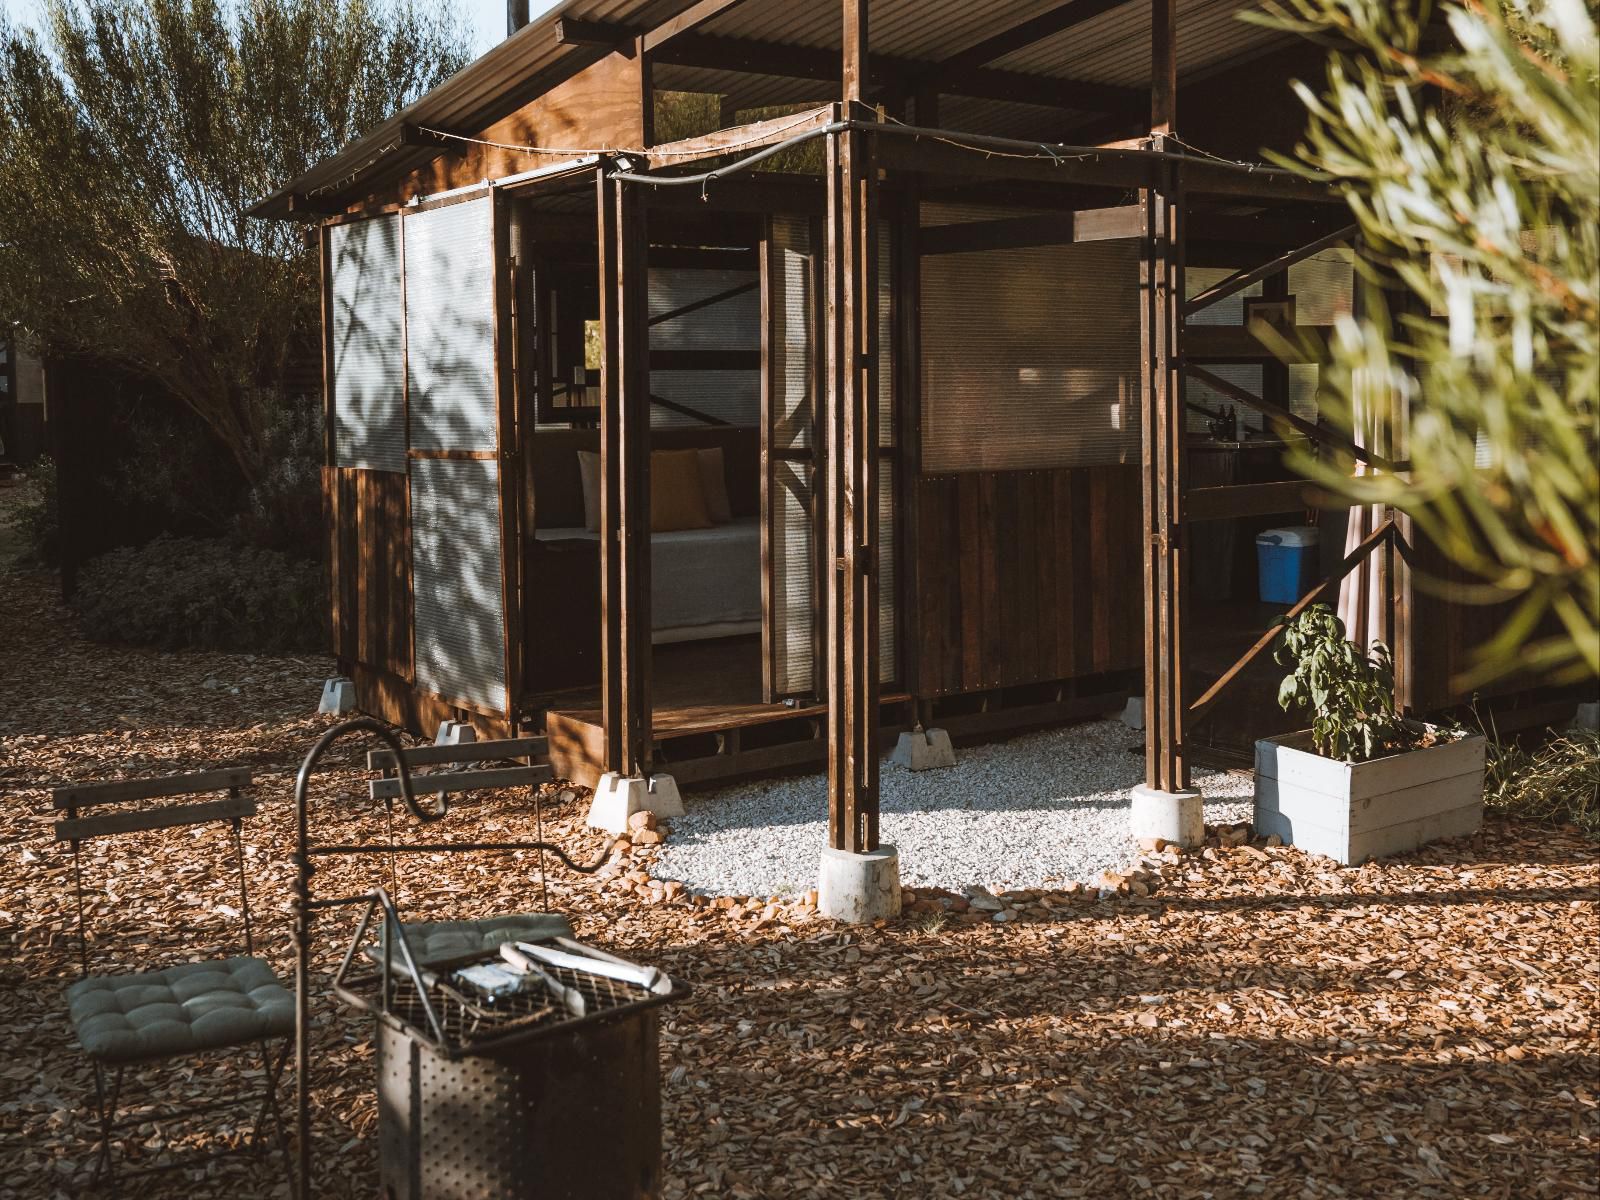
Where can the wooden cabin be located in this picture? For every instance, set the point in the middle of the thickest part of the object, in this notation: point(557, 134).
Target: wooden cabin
point(895, 394)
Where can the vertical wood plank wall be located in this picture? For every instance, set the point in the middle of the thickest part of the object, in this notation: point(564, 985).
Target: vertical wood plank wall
point(370, 567)
point(1026, 576)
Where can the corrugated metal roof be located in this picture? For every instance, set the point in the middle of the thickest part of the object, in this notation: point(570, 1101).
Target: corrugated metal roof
point(1110, 49)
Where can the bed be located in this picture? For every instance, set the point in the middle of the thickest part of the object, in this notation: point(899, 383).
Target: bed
point(704, 583)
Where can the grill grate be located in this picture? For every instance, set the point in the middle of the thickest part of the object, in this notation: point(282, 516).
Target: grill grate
point(476, 1024)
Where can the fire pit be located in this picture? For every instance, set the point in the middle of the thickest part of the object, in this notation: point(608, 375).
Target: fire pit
point(531, 1071)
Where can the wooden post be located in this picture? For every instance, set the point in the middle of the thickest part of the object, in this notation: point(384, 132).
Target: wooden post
point(851, 434)
point(625, 482)
point(1161, 298)
point(1163, 66)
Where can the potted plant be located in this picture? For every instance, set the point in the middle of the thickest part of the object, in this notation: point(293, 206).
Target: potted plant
point(1363, 781)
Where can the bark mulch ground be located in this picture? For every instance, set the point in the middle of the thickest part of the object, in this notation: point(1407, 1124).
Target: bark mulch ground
point(1264, 1024)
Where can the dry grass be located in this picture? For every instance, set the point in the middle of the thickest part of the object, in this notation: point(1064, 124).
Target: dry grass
point(1556, 782)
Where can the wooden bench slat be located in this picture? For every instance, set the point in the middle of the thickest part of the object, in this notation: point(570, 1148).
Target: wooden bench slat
point(82, 794)
point(463, 781)
point(523, 747)
point(169, 817)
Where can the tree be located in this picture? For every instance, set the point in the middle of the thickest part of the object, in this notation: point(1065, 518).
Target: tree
point(136, 134)
point(1472, 164)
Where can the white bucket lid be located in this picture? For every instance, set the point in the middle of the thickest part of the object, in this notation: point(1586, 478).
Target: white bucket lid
point(1294, 535)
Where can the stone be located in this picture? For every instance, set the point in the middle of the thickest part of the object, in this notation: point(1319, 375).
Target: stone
point(643, 819)
point(647, 837)
point(1168, 816)
point(617, 798)
point(984, 903)
point(1274, 840)
point(1152, 845)
point(338, 695)
point(859, 888)
point(924, 750)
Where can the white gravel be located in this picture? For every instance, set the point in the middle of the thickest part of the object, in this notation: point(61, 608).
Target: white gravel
point(1038, 811)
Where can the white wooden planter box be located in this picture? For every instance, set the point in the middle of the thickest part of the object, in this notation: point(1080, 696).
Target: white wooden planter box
point(1355, 811)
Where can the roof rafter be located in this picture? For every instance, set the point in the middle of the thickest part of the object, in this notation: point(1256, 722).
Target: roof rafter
point(1008, 41)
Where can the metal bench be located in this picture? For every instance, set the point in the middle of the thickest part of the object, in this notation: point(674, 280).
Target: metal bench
point(155, 1013)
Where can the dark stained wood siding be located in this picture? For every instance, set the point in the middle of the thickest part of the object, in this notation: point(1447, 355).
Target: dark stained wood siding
point(1445, 631)
point(1026, 576)
point(370, 567)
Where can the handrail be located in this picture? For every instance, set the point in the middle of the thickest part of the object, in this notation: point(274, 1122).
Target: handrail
point(1240, 280)
point(1383, 533)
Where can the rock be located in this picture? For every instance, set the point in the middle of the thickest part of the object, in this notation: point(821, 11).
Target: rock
point(959, 904)
point(981, 900)
point(1274, 840)
point(1007, 914)
point(567, 796)
point(674, 889)
point(811, 898)
point(647, 837)
point(644, 819)
point(1152, 845)
point(724, 902)
point(1138, 887)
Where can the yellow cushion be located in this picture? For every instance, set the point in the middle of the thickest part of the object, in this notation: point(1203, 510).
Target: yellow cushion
point(677, 494)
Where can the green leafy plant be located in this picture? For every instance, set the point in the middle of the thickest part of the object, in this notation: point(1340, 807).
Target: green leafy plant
point(37, 525)
point(203, 593)
point(1349, 691)
point(1471, 162)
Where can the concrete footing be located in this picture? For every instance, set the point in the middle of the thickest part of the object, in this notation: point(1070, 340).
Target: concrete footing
point(1171, 816)
point(618, 797)
point(1133, 712)
point(455, 733)
point(338, 696)
point(859, 888)
point(924, 750)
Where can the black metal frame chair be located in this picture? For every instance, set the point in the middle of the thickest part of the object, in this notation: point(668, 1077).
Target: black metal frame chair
point(181, 1010)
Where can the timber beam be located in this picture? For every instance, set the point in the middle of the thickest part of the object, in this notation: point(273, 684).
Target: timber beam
point(625, 481)
point(851, 459)
point(1051, 229)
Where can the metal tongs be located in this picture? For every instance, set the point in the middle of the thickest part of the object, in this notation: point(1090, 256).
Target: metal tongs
point(570, 998)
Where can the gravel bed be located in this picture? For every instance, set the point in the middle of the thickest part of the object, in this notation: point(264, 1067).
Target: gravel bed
point(1040, 810)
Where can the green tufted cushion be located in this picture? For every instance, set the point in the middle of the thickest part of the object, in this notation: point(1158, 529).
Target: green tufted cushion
point(183, 1009)
point(436, 941)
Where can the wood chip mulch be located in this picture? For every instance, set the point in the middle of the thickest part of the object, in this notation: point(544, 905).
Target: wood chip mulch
point(1264, 1024)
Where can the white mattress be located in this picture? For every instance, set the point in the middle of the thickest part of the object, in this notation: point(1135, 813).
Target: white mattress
point(703, 582)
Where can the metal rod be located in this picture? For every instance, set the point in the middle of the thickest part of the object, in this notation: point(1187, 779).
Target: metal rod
point(303, 909)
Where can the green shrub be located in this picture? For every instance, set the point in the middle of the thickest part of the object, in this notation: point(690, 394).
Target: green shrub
point(37, 526)
point(1556, 783)
point(205, 594)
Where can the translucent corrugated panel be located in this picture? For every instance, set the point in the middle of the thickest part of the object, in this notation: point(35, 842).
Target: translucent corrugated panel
point(450, 327)
point(367, 358)
point(455, 558)
point(793, 351)
point(1030, 357)
point(733, 323)
point(1227, 311)
point(1323, 287)
point(793, 578)
point(731, 396)
point(885, 334)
